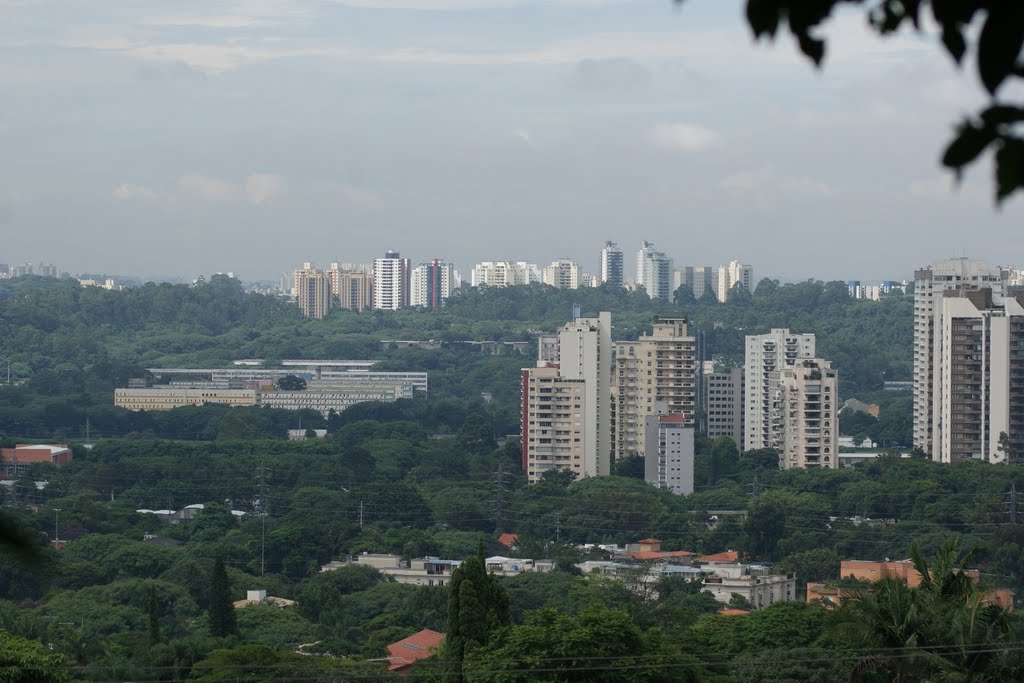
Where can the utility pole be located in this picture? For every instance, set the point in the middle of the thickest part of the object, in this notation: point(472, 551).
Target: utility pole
point(56, 524)
point(261, 473)
point(499, 498)
point(1013, 503)
point(558, 527)
point(361, 508)
point(755, 488)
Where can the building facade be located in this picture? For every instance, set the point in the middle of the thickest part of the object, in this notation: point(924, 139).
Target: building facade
point(809, 415)
point(504, 274)
point(313, 291)
point(930, 283)
point(700, 279)
point(723, 405)
point(654, 272)
point(765, 358)
point(668, 453)
point(432, 283)
point(355, 291)
point(611, 265)
point(390, 282)
point(732, 274)
point(554, 432)
point(658, 367)
point(977, 376)
point(563, 274)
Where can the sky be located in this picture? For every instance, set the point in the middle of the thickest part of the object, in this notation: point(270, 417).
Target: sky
point(199, 136)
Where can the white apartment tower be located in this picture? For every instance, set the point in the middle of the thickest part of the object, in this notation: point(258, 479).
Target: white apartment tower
point(978, 376)
point(390, 282)
point(504, 274)
point(929, 285)
point(431, 284)
point(766, 356)
point(566, 407)
point(313, 291)
point(658, 367)
point(563, 274)
point(654, 272)
point(611, 265)
point(731, 275)
point(809, 415)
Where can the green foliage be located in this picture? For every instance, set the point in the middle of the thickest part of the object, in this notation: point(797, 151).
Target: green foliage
point(26, 661)
point(477, 607)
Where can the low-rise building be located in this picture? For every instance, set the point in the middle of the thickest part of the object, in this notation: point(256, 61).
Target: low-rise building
point(14, 462)
point(756, 583)
point(406, 652)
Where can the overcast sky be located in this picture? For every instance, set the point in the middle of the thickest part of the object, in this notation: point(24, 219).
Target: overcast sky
point(196, 136)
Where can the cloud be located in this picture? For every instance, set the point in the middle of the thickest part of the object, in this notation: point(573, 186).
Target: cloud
point(613, 73)
point(130, 192)
point(767, 180)
point(685, 137)
point(353, 195)
point(256, 189)
point(524, 135)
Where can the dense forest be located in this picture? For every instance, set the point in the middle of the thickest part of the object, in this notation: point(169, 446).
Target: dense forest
point(129, 597)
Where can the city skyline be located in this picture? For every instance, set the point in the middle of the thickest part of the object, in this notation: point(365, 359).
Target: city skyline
point(197, 138)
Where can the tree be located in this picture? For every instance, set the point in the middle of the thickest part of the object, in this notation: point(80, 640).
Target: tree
point(222, 610)
point(477, 606)
point(26, 661)
point(631, 466)
point(291, 383)
point(154, 621)
point(999, 27)
point(1007, 449)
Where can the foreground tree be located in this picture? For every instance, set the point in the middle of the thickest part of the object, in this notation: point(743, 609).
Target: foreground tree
point(999, 29)
point(477, 606)
point(222, 609)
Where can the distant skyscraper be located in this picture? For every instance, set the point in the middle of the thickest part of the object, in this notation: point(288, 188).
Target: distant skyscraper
point(355, 290)
point(312, 291)
point(390, 282)
point(431, 284)
point(930, 284)
point(808, 415)
point(504, 273)
point(668, 452)
point(654, 272)
point(732, 274)
point(611, 265)
point(699, 279)
point(563, 274)
point(766, 356)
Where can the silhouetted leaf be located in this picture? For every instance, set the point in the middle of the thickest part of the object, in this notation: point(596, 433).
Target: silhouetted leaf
point(1002, 114)
point(1009, 168)
point(1000, 43)
point(763, 17)
point(812, 47)
point(970, 141)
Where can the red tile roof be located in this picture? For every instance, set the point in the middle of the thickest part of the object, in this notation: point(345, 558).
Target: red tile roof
point(648, 541)
point(721, 558)
point(732, 612)
point(660, 554)
point(414, 648)
point(508, 540)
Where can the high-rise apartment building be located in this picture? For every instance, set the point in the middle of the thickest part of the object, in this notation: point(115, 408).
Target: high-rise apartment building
point(431, 284)
point(355, 290)
point(658, 367)
point(611, 265)
point(809, 415)
point(566, 407)
point(669, 453)
point(390, 282)
point(504, 273)
point(312, 291)
point(723, 404)
point(930, 283)
point(563, 274)
point(977, 390)
point(731, 275)
point(766, 356)
point(699, 279)
point(654, 272)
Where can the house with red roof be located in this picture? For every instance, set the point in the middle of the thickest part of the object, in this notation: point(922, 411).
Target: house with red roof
point(508, 540)
point(727, 557)
point(14, 461)
point(406, 652)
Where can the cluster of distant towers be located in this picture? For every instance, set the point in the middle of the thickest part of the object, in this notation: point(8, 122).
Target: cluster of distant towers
point(390, 282)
